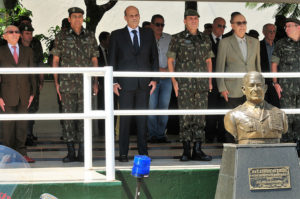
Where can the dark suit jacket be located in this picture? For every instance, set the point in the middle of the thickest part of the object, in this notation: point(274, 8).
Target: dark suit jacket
point(15, 88)
point(264, 61)
point(230, 59)
point(101, 60)
point(123, 57)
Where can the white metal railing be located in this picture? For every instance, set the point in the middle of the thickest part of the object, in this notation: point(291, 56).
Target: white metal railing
point(89, 114)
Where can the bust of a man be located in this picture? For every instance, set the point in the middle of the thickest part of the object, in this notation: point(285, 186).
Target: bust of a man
point(256, 121)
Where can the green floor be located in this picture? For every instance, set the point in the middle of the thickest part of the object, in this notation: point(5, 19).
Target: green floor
point(164, 184)
point(171, 184)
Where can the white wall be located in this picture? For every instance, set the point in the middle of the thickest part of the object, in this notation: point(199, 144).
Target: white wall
point(47, 13)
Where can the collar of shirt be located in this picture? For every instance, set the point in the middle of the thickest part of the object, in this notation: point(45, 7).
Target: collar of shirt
point(215, 37)
point(267, 44)
point(12, 50)
point(253, 106)
point(240, 39)
point(82, 31)
point(132, 35)
point(187, 33)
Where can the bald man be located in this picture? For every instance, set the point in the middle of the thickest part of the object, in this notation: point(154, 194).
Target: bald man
point(133, 49)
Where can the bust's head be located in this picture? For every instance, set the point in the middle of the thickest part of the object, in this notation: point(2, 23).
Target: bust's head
point(254, 87)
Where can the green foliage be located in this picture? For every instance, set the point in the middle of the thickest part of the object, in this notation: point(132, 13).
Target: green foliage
point(11, 16)
point(286, 9)
point(52, 32)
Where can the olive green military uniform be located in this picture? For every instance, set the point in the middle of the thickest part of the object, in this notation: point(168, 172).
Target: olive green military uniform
point(74, 51)
point(287, 55)
point(190, 53)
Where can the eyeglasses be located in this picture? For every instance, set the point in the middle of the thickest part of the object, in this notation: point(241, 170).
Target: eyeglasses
point(239, 23)
point(159, 24)
point(11, 32)
point(221, 26)
point(289, 26)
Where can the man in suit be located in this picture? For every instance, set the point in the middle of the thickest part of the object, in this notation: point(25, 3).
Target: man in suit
point(237, 53)
point(102, 61)
point(133, 49)
point(267, 46)
point(16, 91)
point(214, 123)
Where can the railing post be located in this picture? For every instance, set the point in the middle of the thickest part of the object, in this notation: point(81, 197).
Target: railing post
point(87, 100)
point(109, 124)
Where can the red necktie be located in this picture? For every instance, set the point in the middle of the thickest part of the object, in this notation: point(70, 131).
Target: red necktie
point(16, 58)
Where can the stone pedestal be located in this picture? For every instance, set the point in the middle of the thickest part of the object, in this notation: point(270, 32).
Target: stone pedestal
point(272, 170)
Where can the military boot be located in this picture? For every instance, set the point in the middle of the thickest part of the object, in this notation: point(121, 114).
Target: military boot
point(198, 154)
point(71, 157)
point(80, 156)
point(186, 156)
point(298, 147)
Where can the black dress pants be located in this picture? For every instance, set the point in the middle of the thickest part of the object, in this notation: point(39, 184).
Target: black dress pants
point(131, 100)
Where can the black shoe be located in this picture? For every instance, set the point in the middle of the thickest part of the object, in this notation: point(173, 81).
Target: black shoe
point(34, 137)
point(186, 156)
point(163, 140)
point(30, 142)
point(153, 140)
point(71, 157)
point(123, 158)
point(298, 147)
point(198, 154)
point(80, 156)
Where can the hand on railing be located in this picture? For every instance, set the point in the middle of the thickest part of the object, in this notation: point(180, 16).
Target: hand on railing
point(30, 101)
point(153, 84)
point(117, 87)
point(225, 95)
point(2, 104)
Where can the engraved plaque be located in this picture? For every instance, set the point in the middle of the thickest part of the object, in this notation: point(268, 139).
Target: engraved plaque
point(268, 178)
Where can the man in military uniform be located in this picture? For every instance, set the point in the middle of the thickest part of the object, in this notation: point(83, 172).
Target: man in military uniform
point(256, 121)
point(76, 47)
point(27, 40)
point(191, 50)
point(286, 58)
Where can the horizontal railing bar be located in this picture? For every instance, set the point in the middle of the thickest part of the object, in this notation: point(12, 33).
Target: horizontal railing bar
point(186, 112)
point(195, 75)
point(54, 116)
point(99, 71)
point(101, 114)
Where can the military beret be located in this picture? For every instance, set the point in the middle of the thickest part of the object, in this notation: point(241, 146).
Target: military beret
point(25, 27)
point(292, 20)
point(191, 12)
point(75, 10)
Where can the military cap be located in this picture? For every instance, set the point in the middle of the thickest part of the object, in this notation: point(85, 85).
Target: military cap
point(191, 12)
point(26, 27)
point(75, 10)
point(292, 20)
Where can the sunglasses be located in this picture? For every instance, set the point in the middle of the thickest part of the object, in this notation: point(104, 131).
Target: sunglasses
point(11, 32)
point(239, 23)
point(289, 26)
point(159, 24)
point(220, 26)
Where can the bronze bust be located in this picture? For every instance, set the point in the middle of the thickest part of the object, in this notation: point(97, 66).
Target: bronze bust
point(256, 121)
